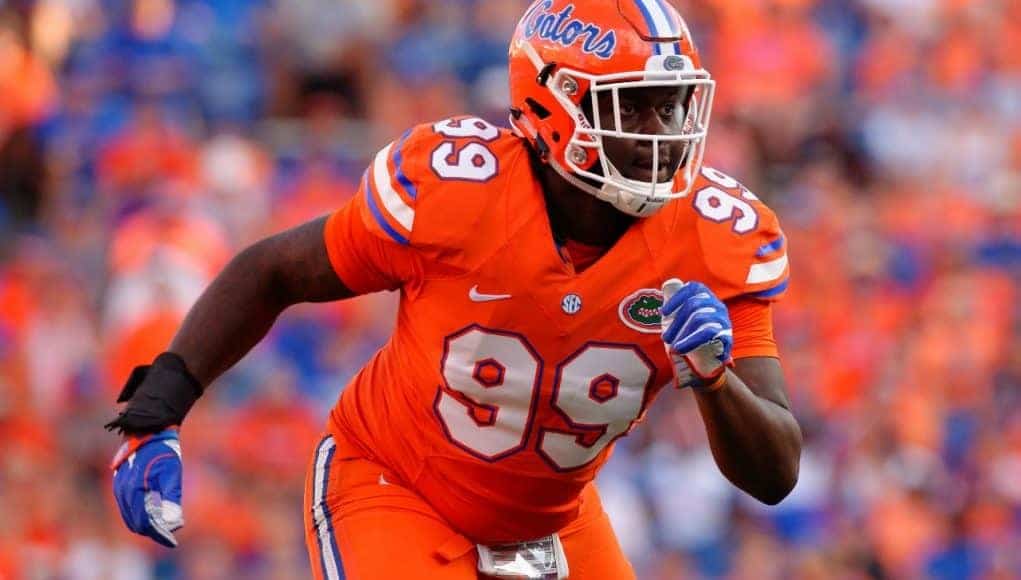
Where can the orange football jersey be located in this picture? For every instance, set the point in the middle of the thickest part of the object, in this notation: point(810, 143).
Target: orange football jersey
point(509, 375)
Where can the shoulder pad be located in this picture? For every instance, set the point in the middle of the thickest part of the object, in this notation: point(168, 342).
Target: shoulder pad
point(431, 184)
point(744, 249)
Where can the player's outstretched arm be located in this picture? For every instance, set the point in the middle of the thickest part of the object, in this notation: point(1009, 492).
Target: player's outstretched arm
point(239, 307)
point(232, 315)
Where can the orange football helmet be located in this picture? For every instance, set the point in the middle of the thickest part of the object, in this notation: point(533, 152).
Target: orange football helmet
point(565, 51)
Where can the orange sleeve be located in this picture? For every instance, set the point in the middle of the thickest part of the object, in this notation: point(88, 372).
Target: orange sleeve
point(752, 320)
point(363, 259)
point(746, 249)
point(369, 240)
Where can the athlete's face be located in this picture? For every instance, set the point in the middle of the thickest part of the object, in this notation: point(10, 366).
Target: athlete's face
point(651, 111)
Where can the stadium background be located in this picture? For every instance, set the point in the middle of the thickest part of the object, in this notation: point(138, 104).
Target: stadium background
point(142, 142)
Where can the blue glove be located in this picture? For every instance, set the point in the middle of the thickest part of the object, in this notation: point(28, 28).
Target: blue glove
point(147, 485)
point(697, 332)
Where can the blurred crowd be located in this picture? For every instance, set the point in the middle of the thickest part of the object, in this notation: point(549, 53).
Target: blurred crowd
point(143, 142)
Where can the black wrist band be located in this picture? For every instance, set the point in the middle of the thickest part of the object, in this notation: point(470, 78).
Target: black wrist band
point(158, 396)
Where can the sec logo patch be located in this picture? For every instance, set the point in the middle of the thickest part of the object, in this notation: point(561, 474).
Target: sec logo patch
point(571, 304)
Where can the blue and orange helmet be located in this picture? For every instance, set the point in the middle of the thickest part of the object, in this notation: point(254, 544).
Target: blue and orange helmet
point(566, 51)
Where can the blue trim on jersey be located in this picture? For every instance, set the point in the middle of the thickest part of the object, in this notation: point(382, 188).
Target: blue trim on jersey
point(319, 538)
point(326, 513)
point(771, 247)
point(398, 158)
point(775, 290)
point(371, 198)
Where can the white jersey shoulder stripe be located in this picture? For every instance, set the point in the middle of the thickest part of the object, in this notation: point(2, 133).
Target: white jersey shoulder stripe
point(392, 201)
point(767, 271)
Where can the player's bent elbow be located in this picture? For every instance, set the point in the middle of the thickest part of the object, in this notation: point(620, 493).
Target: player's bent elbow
point(782, 476)
point(775, 496)
point(780, 486)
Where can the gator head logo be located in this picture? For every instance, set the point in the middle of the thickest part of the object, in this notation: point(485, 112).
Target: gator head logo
point(640, 310)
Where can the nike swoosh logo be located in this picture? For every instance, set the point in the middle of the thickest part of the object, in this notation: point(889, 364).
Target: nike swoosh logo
point(477, 296)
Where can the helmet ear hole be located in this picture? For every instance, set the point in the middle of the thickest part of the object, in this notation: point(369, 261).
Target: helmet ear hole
point(539, 110)
point(545, 73)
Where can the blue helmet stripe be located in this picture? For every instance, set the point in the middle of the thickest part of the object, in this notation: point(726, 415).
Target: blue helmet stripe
point(665, 9)
point(657, 17)
point(649, 21)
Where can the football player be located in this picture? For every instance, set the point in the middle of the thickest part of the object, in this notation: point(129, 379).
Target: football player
point(554, 277)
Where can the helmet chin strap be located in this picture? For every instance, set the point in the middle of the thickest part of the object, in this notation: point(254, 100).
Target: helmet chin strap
point(631, 204)
point(622, 199)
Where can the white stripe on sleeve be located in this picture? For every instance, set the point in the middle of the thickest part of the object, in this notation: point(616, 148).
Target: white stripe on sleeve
point(393, 202)
point(767, 271)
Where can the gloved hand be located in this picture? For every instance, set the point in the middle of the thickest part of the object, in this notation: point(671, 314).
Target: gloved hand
point(697, 333)
point(147, 485)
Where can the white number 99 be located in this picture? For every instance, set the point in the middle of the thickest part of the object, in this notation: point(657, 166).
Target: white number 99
point(473, 161)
